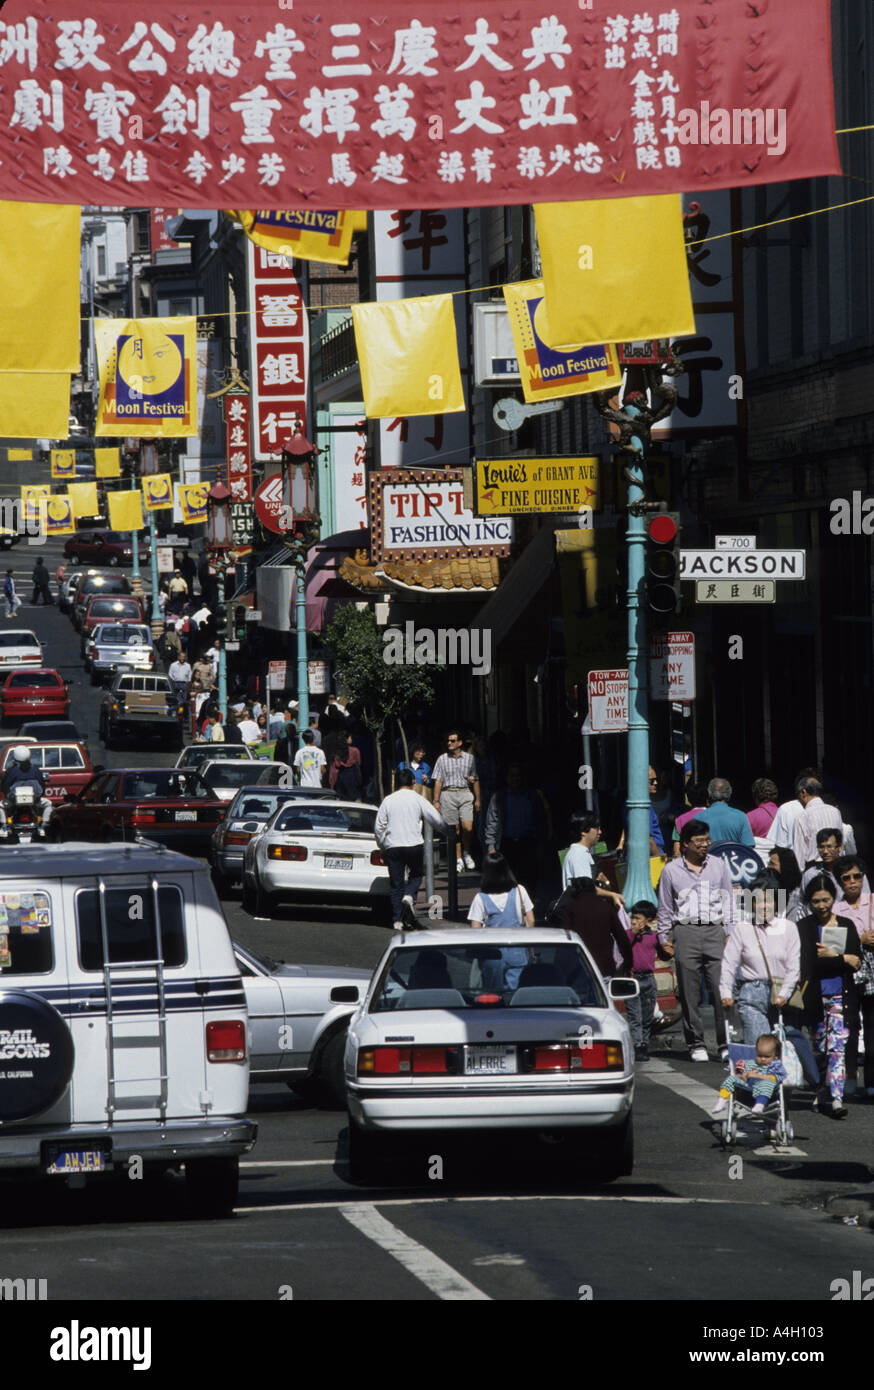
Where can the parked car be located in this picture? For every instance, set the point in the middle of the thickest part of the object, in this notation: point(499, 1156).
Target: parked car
point(227, 776)
point(67, 766)
point(19, 647)
point(103, 547)
point(136, 1048)
point(166, 804)
point(316, 849)
point(251, 808)
point(33, 692)
point(114, 647)
point(102, 609)
point(502, 1029)
point(106, 585)
point(298, 1015)
point(59, 730)
point(142, 704)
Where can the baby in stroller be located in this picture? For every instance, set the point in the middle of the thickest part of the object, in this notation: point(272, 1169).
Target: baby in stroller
point(762, 1075)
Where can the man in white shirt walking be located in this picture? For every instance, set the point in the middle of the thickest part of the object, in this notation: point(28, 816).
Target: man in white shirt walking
point(310, 762)
point(815, 816)
point(399, 822)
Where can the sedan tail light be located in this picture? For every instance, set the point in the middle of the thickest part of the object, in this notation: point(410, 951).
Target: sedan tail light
point(401, 1061)
point(226, 1041)
point(575, 1056)
point(236, 837)
point(144, 818)
point(297, 852)
point(377, 859)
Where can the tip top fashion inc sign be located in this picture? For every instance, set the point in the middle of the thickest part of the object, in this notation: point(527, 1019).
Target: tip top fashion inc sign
point(420, 515)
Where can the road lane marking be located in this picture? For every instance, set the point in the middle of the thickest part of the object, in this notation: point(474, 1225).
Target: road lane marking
point(418, 1260)
point(289, 1163)
point(339, 1204)
point(663, 1074)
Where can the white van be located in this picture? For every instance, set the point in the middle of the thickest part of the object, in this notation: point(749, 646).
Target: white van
point(123, 1022)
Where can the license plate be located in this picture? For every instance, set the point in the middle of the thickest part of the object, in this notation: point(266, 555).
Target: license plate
point(489, 1061)
point(186, 815)
point(333, 862)
point(78, 1161)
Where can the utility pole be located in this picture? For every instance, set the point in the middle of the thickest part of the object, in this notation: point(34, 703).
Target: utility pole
point(635, 417)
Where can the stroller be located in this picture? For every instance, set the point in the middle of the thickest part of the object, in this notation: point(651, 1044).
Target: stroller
point(776, 1112)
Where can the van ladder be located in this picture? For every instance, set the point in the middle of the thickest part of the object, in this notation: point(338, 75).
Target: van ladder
point(113, 974)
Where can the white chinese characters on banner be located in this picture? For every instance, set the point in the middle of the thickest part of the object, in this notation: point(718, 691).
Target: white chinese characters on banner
point(279, 349)
point(340, 101)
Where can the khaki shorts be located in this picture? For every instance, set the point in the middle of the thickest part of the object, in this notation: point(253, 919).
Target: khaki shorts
point(456, 805)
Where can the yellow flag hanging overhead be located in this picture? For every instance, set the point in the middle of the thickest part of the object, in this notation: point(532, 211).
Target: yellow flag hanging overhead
point(544, 371)
point(39, 290)
point(59, 516)
point(157, 491)
point(408, 354)
point(63, 463)
point(191, 499)
point(34, 499)
point(83, 499)
point(34, 405)
point(19, 455)
point(614, 269)
point(125, 510)
point(148, 373)
point(108, 463)
point(305, 233)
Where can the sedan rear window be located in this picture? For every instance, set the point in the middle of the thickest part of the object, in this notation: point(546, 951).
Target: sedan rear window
point(534, 975)
point(33, 680)
point(163, 783)
point(113, 608)
point(18, 639)
point(130, 926)
point(198, 753)
point(350, 819)
point(237, 774)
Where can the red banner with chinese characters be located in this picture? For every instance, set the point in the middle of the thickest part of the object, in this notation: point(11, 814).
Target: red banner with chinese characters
point(238, 418)
point(370, 107)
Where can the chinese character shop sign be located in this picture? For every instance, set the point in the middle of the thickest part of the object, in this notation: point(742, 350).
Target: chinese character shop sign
point(238, 410)
point(375, 107)
point(279, 350)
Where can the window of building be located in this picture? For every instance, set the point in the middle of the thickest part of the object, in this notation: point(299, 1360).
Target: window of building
point(101, 262)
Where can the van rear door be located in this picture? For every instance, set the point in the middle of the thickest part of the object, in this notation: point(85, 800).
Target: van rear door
point(137, 1016)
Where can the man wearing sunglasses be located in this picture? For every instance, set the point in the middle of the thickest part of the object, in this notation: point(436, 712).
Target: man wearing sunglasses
point(857, 905)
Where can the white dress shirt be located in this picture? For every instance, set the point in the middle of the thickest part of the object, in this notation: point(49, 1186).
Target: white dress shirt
point(815, 816)
point(782, 830)
point(400, 817)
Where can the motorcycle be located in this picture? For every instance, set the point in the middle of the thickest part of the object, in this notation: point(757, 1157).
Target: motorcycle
point(24, 822)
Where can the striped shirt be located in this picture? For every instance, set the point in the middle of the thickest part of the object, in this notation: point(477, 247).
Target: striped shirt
point(453, 773)
point(816, 816)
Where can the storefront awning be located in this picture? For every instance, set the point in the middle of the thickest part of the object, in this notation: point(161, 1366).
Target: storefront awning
point(523, 581)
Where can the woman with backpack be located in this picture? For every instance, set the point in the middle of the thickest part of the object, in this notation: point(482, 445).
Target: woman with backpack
point(502, 902)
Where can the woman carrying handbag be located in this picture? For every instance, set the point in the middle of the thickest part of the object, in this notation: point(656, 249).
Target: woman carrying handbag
point(830, 955)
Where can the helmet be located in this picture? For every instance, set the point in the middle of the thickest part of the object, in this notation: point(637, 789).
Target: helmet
point(21, 753)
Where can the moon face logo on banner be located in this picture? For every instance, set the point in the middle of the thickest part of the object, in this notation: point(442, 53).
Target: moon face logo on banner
point(150, 378)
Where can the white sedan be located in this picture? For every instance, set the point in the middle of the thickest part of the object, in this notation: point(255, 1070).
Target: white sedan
point(313, 850)
point(298, 1016)
point(503, 1028)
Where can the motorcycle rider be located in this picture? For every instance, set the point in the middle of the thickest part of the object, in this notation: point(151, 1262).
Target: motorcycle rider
point(22, 771)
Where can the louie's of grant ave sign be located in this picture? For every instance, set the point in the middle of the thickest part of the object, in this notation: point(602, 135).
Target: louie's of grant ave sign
point(507, 487)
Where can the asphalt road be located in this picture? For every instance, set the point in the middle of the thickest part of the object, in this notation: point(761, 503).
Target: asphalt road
point(505, 1221)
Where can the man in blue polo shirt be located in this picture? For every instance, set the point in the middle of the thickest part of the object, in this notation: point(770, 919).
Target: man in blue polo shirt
point(725, 822)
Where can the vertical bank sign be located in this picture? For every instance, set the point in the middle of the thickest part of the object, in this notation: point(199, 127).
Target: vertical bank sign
point(238, 418)
point(279, 349)
point(420, 515)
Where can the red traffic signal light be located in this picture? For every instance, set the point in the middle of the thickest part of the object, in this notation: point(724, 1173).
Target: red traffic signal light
point(662, 528)
point(663, 564)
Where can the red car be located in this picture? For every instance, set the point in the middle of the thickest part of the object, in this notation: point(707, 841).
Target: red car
point(172, 805)
point(116, 608)
point(103, 548)
point(35, 693)
point(66, 765)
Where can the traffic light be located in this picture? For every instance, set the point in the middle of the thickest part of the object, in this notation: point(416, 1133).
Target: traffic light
point(663, 594)
point(221, 621)
point(240, 612)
